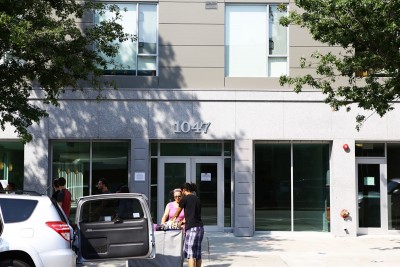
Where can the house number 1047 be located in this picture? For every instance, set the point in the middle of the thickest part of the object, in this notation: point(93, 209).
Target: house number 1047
point(185, 127)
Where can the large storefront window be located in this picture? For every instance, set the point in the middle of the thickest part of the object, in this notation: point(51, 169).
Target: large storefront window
point(82, 164)
point(393, 186)
point(291, 187)
point(12, 164)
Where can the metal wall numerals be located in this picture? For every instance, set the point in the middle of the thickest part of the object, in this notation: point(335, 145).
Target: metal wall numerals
point(186, 127)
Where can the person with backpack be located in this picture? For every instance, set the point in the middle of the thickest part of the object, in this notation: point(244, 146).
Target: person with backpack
point(64, 196)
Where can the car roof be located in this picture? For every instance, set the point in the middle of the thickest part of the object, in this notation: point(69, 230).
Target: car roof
point(114, 195)
point(21, 192)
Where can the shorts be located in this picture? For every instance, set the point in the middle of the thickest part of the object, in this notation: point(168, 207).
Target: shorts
point(193, 239)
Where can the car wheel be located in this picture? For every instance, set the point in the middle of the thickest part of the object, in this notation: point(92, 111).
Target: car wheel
point(14, 263)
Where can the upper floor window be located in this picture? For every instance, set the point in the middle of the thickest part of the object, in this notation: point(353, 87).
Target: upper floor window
point(256, 44)
point(135, 57)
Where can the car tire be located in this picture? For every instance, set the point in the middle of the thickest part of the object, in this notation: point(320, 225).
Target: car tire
point(14, 263)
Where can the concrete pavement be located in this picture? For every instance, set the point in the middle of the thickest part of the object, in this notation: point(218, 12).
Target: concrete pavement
point(300, 250)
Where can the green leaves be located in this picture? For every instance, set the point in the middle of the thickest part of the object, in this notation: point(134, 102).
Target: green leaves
point(41, 43)
point(369, 33)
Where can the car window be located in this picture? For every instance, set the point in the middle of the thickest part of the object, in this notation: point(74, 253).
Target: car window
point(17, 210)
point(111, 210)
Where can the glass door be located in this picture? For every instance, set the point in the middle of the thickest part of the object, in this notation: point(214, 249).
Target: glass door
point(172, 173)
point(372, 196)
point(210, 184)
point(207, 173)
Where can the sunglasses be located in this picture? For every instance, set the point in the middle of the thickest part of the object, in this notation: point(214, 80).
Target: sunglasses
point(177, 196)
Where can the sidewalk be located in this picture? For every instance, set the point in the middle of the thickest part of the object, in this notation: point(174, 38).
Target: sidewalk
point(300, 250)
point(293, 250)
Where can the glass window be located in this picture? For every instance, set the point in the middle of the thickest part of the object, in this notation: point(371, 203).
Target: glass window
point(135, 57)
point(370, 149)
point(310, 187)
point(153, 188)
point(82, 164)
point(154, 149)
point(393, 185)
point(227, 192)
point(110, 161)
point(114, 209)
point(256, 44)
point(272, 187)
point(369, 197)
point(191, 149)
point(17, 210)
point(12, 164)
point(275, 184)
point(71, 160)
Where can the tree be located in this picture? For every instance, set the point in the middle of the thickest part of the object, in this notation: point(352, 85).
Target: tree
point(42, 46)
point(369, 33)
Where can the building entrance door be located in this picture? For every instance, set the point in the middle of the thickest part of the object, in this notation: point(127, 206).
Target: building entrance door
point(372, 196)
point(207, 173)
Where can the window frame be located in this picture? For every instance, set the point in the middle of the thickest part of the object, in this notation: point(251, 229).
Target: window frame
point(134, 71)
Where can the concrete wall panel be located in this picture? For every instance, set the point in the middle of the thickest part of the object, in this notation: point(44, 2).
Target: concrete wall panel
point(191, 34)
point(192, 56)
point(187, 12)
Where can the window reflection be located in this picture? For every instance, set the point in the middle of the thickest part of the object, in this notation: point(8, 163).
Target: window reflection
point(274, 186)
point(393, 185)
point(12, 164)
point(75, 160)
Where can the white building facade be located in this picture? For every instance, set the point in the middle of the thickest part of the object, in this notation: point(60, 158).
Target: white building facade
point(201, 102)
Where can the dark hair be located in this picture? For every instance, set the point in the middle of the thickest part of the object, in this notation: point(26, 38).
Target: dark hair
point(11, 185)
point(191, 187)
point(103, 181)
point(55, 183)
point(62, 181)
point(124, 189)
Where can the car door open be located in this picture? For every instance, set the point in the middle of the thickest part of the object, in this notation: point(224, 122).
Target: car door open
point(114, 227)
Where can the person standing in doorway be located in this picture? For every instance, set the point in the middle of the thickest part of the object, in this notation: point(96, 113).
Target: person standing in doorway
point(102, 185)
point(194, 227)
point(64, 196)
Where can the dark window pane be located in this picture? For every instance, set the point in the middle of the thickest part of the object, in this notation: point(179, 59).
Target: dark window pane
point(114, 209)
point(272, 187)
point(153, 149)
point(17, 210)
point(12, 163)
point(370, 150)
point(311, 187)
point(110, 161)
point(369, 207)
point(228, 149)
point(191, 149)
point(227, 193)
point(393, 185)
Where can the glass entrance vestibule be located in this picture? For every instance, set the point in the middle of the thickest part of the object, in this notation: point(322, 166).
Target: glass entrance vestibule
point(208, 164)
point(378, 187)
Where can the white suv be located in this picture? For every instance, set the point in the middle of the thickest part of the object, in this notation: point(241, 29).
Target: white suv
point(34, 231)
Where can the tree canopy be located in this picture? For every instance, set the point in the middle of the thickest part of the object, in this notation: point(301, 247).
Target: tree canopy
point(369, 33)
point(42, 46)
